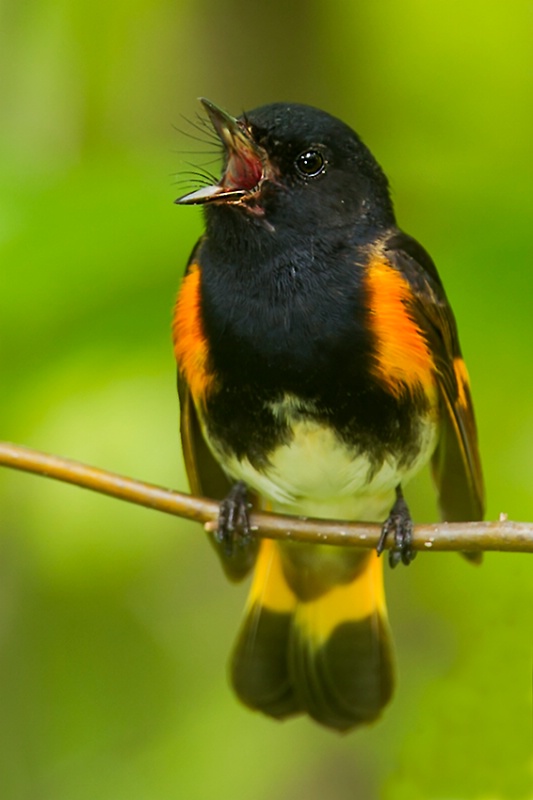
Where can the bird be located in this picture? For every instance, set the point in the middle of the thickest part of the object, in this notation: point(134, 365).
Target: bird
point(319, 369)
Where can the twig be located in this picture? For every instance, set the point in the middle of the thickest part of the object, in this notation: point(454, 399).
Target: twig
point(503, 535)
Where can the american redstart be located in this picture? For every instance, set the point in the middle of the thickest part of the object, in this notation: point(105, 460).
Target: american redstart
point(319, 370)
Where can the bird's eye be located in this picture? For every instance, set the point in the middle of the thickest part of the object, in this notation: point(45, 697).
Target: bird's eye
point(310, 163)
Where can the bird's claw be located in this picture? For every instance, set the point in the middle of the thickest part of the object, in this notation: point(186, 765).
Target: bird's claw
point(233, 527)
point(400, 525)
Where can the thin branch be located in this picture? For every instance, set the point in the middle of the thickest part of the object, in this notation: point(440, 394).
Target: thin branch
point(469, 537)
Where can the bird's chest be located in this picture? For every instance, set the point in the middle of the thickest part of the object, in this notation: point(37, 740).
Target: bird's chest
point(303, 460)
point(296, 408)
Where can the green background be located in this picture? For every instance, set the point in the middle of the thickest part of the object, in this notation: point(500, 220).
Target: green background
point(116, 622)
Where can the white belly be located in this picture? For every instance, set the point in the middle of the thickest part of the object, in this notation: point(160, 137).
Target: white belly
point(317, 475)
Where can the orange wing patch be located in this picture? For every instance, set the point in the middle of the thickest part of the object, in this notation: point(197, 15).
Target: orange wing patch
point(190, 344)
point(403, 359)
point(463, 382)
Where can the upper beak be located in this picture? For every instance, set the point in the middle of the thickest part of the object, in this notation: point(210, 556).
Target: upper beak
point(245, 161)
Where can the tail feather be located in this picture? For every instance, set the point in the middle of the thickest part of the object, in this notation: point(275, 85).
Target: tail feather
point(342, 653)
point(329, 657)
point(259, 667)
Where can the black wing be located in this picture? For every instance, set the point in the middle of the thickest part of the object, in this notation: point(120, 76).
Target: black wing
point(456, 465)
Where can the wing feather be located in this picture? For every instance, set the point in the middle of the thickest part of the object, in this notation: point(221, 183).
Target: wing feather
point(456, 465)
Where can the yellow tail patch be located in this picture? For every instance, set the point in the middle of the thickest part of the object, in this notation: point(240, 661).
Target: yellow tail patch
point(269, 586)
point(352, 602)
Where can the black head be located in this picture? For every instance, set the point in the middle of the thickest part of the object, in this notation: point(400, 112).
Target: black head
point(292, 167)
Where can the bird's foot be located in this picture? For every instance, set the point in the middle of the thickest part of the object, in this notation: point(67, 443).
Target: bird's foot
point(233, 528)
point(400, 525)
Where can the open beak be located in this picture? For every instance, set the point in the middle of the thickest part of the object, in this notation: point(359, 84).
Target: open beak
point(246, 162)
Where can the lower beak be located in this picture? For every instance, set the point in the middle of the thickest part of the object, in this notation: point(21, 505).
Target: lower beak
point(245, 161)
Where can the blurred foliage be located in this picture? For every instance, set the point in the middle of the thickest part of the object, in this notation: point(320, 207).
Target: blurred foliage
point(115, 622)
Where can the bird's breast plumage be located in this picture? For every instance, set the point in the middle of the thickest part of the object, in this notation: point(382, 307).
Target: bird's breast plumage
point(311, 469)
point(312, 382)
